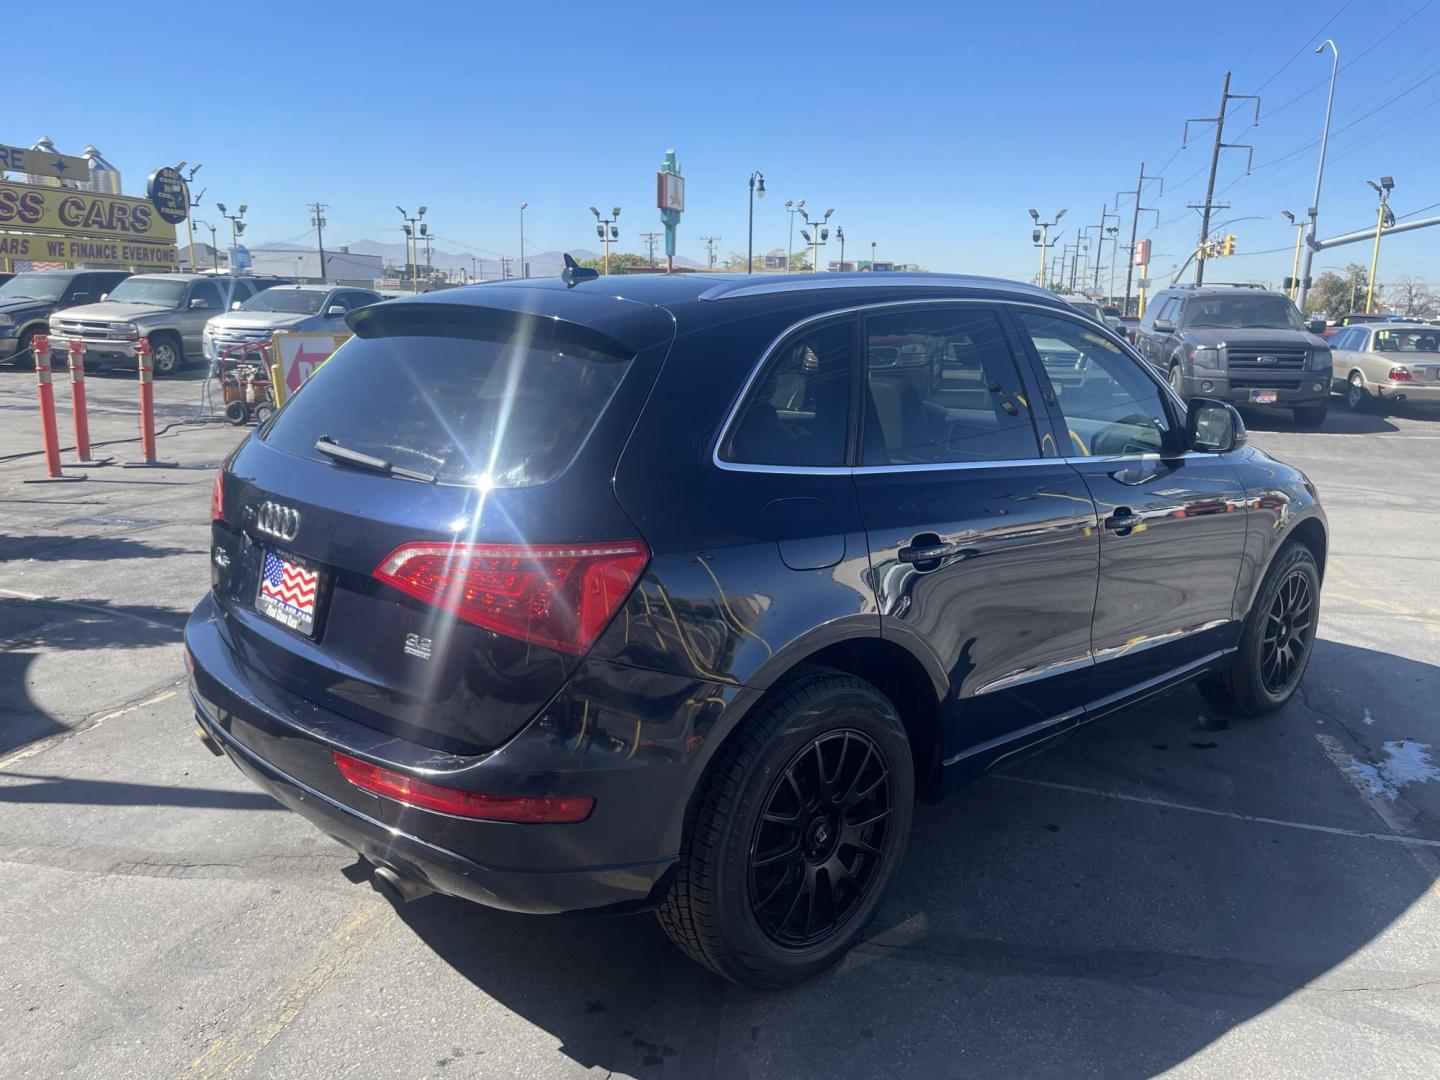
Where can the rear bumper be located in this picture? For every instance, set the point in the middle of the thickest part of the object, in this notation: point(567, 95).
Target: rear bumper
point(1409, 391)
point(619, 857)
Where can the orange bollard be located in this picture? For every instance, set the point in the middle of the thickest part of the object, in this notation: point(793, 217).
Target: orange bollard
point(49, 431)
point(147, 411)
point(77, 402)
point(147, 401)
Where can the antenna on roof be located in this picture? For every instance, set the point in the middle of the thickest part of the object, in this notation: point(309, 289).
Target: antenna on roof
point(574, 273)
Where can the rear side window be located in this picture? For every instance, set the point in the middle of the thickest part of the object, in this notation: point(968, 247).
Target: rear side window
point(798, 413)
point(507, 411)
point(942, 387)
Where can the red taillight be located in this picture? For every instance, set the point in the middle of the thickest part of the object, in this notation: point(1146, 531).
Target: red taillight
point(558, 596)
point(217, 497)
point(557, 809)
point(1400, 374)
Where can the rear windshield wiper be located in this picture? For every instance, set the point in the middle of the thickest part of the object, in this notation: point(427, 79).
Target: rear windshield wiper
point(334, 450)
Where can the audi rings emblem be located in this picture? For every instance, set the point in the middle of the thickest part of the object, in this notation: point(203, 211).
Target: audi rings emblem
point(281, 522)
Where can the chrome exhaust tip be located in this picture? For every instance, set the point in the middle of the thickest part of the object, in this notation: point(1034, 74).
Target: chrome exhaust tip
point(208, 741)
point(398, 889)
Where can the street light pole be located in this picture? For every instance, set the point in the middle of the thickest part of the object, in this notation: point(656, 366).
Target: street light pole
point(1044, 227)
point(755, 191)
point(607, 230)
point(818, 234)
point(524, 273)
point(793, 208)
point(1303, 289)
point(872, 256)
point(840, 235)
point(1383, 189)
point(1299, 225)
point(412, 244)
point(237, 227)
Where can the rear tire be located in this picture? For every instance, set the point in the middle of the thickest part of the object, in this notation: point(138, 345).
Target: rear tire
point(1312, 416)
point(764, 894)
point(1277, 641)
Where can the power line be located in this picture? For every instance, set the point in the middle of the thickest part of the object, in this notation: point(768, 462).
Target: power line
point(1308, 41)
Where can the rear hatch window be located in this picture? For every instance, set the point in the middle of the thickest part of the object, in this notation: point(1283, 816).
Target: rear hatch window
point(487, 409)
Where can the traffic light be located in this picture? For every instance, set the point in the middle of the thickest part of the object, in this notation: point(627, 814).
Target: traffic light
point(1228, 248)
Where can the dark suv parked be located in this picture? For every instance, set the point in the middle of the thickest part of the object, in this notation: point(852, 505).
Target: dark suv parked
point(28, 299)
point(1241, 344)
point(675, 592)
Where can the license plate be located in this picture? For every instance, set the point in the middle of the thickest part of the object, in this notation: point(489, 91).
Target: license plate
point(1264, 397)
point(288, 592)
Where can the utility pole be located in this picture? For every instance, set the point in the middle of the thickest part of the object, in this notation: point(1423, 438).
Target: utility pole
point(710, 242)
point(524, 271)
point(317, 218)
point(412, 244)
point(1135, 225)
point(1105, 215)
point(505, 267)
point(650, 239)
point(1209, 204)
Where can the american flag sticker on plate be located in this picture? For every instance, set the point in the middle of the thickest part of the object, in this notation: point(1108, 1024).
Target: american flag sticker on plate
point(287, 593)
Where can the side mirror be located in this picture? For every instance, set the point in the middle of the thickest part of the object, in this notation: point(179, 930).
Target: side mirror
point(235, 304)
point(1214, 427)
point(199, 304)
point(80, 298)
point(334, 311)
point(104, 296)
point(1163, 326)
point(1316, 326)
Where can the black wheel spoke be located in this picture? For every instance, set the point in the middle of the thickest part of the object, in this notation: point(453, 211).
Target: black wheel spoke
point(821, 837)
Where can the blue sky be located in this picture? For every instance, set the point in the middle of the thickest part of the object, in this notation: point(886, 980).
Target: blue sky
point(930, 128)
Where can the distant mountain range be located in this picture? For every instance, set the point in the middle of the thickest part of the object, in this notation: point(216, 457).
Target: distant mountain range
point(542, 263)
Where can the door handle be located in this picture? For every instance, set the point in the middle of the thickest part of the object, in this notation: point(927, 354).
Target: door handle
point(1123, 520)
point(918, 553)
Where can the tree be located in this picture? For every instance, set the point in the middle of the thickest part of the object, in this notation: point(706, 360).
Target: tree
point(1413, 297)
point(1334, 295)
point(736, 262)
point(618, 261)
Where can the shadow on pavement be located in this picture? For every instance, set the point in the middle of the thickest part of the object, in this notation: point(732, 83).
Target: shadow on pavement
point(61, 548)
point(1031, 931)
point(29, 628)
point(68, 789)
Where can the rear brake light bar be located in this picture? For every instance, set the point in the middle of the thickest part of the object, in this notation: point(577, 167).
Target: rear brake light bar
point(559, 596)
point(555, 809)
point(217, 497)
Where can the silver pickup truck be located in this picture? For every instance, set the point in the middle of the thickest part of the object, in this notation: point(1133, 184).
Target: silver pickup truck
point(169, 310)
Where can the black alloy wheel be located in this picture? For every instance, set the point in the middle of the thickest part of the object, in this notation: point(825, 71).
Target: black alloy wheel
point(1288, 634)
point(821, 838)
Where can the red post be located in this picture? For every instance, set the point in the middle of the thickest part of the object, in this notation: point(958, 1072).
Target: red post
point(147, 401)
point(51, 434)
point(77, 399)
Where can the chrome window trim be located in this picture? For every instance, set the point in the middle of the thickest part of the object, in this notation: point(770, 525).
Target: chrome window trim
point(832, 470)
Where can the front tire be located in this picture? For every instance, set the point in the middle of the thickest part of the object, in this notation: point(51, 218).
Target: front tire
point(1277, 641)
point(799, 827)
point(25, 356)
point(166, 357)
point(1177, 381)
point(1357, 396)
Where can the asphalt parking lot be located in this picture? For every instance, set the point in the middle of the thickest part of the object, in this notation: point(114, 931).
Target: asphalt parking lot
point(1175, 890)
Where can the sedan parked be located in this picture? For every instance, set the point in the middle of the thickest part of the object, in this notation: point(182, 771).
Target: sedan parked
point(1380, 363)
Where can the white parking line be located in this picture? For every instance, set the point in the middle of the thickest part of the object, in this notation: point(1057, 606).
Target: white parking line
point(1145, 800)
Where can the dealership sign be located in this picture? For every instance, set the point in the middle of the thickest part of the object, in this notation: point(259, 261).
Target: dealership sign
point(73, 249)
point(169, 194)
point(81, 213)
point(39, 163)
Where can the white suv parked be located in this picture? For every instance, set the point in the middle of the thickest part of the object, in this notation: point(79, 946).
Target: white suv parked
point(299, 308)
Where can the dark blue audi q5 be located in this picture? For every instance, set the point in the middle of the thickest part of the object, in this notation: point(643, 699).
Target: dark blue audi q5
point(677, 592)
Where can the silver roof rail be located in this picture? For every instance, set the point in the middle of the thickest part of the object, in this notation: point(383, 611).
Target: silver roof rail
point(739, 287)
